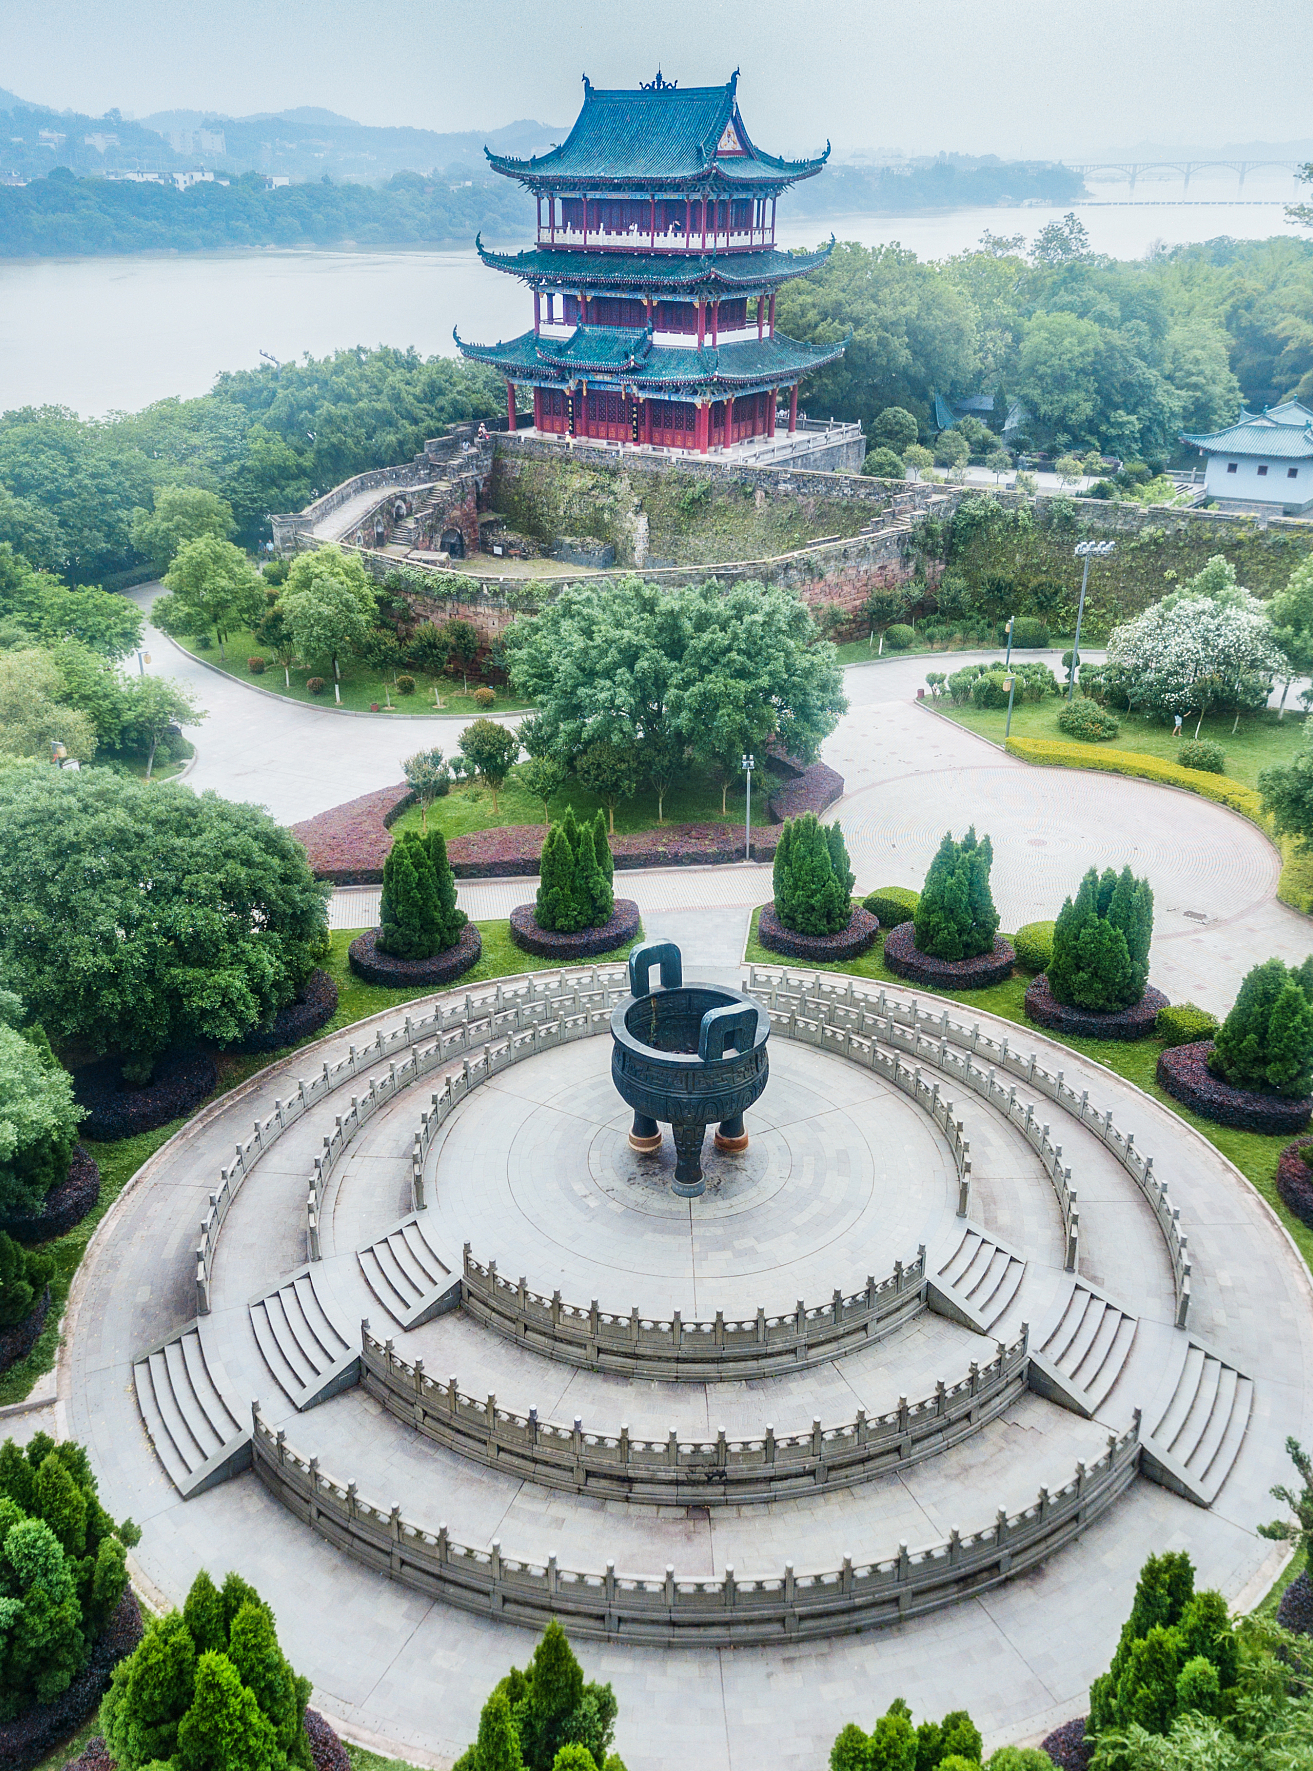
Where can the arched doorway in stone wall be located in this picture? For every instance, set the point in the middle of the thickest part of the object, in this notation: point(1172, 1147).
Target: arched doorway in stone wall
point(453, 542)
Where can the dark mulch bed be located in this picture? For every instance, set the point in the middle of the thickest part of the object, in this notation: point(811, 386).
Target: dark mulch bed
point(814, 790)
point(326, 1749)
point(408, 974)
point(901, 955)
point(1295, 1182)
point(621, 928)
point(348, 844)
point(513, 851)
point(181, 1081)
point(1295, 1612)
point(17, 1342)
point(1068, 1747)
point(65, 1205)
point(26, 1740)
point(1134, 1022)
point(848, 943)
point(313, 1008)
point(1183, 1071)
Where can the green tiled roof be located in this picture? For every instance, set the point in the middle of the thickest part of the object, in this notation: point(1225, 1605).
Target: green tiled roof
point(659, 136)
point(549, 266)
point(1283, 432)
point(611, 355)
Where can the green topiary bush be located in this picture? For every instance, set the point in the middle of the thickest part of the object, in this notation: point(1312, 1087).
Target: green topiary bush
point(575, 874)
point(1181, 1023)
point(255, 666)
point(990, 690)
point(1087, 721)
point(63, 1569)
point(891, 905)
point(417, 912)
point(405, 685)
point(1202, 754)
point(895, 1745)
point(209, 1689)
point(900, 636)
point(1033, 946)
point(546, 1718)
point(315, 684)
point(955, 916)
point(1101, 942)
point(24, 1275)
point(812, 878)
point(1266, 1042)
point(1029, 633)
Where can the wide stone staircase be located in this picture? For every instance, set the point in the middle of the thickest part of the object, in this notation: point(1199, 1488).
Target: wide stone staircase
point(1090, 1344)
point(410, 1280)
point(1199, 1434)
point(979, 1280)
point(195, 1426)
point(310, 1356)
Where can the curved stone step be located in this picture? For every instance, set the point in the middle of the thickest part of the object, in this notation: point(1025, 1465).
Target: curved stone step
point(1090, 1343)
point(981, 1277)
point(408, 1277)
point(195, 1427)
point(308, 1355)
point(1200, 1432)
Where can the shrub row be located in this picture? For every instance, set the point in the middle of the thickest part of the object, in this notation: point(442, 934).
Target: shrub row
point(313, 1009)
point(1054, 753)
point(850, 942)
point(348, 844)
point(978, 973)
point(17, 1342)
point(181, 1081)
point(1295, 1181)
point(376, 967)
point(26, 1740)
point(1134, 1022)
point(66, 1204)
point(814, 790)
point(513, 850)
point(1183, 1071)
point(620, 929)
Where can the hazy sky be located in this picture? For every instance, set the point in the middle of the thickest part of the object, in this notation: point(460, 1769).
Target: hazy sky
point(1014, 77)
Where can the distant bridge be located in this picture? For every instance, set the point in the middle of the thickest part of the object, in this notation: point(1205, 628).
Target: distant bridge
point(1131, 170)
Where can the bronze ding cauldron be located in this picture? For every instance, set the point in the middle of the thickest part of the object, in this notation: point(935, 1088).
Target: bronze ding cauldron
point(690, 1055)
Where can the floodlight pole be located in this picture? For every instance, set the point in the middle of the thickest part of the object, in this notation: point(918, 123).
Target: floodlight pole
point(749, 763)
point(1083, 550)
point(1007, 662)
point(1012, 686)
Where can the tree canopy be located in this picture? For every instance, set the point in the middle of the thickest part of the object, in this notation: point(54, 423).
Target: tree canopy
point(328, 603)
point(181, 513)
point(212, 588)
point(142, 916)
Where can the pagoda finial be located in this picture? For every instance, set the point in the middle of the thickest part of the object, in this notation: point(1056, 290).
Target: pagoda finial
point(657, 85)
point(734, 81)
point(588, 85)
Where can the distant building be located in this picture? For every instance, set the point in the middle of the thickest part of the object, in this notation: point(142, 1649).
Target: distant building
point(207, 142)
point(100, 142)
point(1264, 460)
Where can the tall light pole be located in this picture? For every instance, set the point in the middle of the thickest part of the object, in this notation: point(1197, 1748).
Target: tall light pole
point(1007, 662)
point(1010, 683)
point(1084, 550)
point(749, 764)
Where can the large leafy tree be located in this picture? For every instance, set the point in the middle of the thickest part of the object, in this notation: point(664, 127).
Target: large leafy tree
point(37, 604)
point(38, 1121)
point(1291, 614)
point(181, 514)
point(152, 706)
point(142, 916)
point(33, 715)
point(329, 604)
point(212, 588)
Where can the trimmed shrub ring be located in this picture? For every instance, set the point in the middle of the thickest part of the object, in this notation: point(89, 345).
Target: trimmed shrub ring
point(65, 1205)
point(407, 974)
point(181, 1081)
point(1134, 1022)
point(1295, 1182)
point(563, 949)
point(26, 1740)
point(902, 956)
point(849, 942)
point(1183, 1071)
point(17, 1342)
point(316, 1005)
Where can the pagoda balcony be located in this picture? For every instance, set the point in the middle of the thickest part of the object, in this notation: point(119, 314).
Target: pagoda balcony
point(639, 239)
point(672, 338)
point(812, 438)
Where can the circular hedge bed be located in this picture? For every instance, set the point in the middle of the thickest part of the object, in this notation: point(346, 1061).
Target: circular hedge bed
point(28, 1738)
point(1183, 1071)
point(902, 955)
point(847, 943)
point(65, 1205)
point(316, 1005)
point(118, 1109)
point(1134, 1022)
point(404, 974)
point(1295, 1182)
point(17, 1342)
point(622, 926)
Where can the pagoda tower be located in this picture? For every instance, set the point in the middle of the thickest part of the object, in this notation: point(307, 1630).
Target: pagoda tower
point(654, 275)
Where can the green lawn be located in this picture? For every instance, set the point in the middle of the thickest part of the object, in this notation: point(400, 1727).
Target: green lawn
point(863, 651)
point(120, 1160)
point(360, 685)
point(1261, 740)
point(695, 800)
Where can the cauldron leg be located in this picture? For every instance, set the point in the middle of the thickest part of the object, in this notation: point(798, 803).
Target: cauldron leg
point(730, 1136)
point(688, 1182)
point(645, 1137)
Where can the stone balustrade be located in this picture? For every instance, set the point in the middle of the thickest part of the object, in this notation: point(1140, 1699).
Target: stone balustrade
point(821, 1010)
point(674, 1471)
point(677, 1612)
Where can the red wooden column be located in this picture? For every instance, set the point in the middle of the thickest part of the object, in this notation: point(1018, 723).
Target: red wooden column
point(772, 313)
point(793, 408)
point(702, 323)
point(715, 324)
point(652, 242)
point(551, 214)
point(761, 313)
point(704, 221)
point(510, 405)
point(647, 421)
point(771, 396)
point(729, 421)
point(772, 220)
point(702, 426)
point(585, 221)
point(537, 408)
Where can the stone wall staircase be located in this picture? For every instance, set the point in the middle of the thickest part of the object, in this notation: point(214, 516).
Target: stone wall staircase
point(979, 1280)
point(410, 1280)
point(1199, 1434)
point(194, 1424)
point(309, 1356)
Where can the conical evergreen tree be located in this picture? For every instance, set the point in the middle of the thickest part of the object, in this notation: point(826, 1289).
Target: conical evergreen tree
point(224, 1729)
point(592, 888)
point(782, 876)
point(842, 866)
point(558, 1680)
point(557, 905)
point(498, 1745)
point(812, 897)
point(262, 1667)
point(602, 845)
point(955, 915)
point(1101, 942)
point(570, 829)
point(1266, 1042)
point(203, 1615)
point(448, 920)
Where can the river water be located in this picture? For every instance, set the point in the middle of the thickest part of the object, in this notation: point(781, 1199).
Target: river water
point(105, 334)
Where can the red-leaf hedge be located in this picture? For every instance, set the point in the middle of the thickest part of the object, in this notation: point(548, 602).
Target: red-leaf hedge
point(26, 1740)
point(848, 943)
point(1183, 1071)
point(902, 956)
point(410, 974)
point(1295, 1181)
point(181, 1081)
point(814, 790)
point(621, 928)
point(1134, 1022)
point(65, 1205)
point(313, 1009)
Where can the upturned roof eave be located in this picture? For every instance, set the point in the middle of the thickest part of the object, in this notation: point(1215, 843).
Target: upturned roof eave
point(769, 180)
point(683, 272)
point(713, 372)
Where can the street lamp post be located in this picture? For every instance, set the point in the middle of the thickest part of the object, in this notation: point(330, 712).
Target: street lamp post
point(749, 764)
point(1084, 550)
point(1007, 662)
point(1010, 683)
